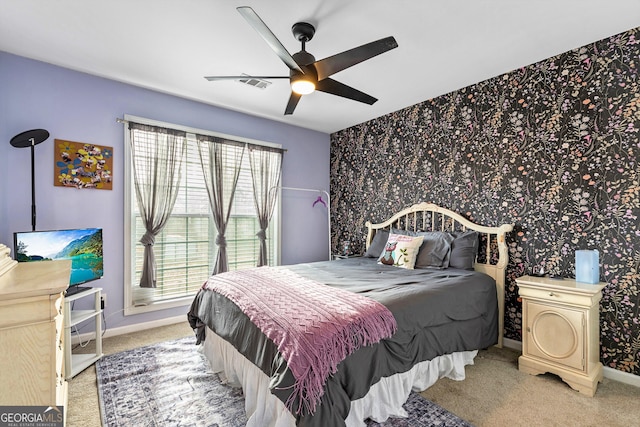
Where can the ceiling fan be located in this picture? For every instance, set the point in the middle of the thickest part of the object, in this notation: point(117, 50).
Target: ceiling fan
point(306, 74)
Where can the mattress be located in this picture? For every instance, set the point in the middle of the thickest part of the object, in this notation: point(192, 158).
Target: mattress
point(438, 312)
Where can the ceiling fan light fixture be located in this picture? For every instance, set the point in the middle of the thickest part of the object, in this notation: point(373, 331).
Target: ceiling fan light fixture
point(305, 73)
point(302, 86)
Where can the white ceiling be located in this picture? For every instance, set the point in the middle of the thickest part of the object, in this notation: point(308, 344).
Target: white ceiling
point(169, 45)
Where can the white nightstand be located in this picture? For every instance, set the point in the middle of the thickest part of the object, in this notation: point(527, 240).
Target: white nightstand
point(339, 256)
point(561, 332)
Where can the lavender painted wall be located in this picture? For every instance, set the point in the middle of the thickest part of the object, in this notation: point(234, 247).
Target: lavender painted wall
point(79, 107)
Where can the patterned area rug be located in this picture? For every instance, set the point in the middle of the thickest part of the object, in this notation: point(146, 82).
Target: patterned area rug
point(168, 384)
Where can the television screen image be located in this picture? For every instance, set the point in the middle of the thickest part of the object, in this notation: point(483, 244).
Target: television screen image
point(82, 246)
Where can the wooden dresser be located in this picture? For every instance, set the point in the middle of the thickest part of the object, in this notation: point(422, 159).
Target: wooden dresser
point(31, 334)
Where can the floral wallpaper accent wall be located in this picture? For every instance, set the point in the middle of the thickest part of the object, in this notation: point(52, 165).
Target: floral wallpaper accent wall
point(552, 148)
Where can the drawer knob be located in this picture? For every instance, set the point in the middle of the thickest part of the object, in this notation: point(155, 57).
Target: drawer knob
point(551, 294)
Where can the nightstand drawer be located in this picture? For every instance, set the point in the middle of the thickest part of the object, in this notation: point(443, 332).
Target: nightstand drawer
point(558, 296)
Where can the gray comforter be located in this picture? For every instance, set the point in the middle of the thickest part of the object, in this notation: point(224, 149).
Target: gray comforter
point(437, 311)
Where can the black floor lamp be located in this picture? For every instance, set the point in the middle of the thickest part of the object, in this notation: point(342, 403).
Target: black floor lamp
point(31, 138)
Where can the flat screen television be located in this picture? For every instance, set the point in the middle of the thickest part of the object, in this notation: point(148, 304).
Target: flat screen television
point(82, 246)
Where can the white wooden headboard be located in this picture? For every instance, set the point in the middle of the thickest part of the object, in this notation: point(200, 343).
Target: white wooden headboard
point(493, 255)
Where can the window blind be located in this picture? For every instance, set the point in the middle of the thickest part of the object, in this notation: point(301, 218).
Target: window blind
point(185, 249)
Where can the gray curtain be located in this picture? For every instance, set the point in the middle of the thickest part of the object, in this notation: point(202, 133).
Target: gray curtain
point(266, 169)
point(157, 155)
point(221, 161)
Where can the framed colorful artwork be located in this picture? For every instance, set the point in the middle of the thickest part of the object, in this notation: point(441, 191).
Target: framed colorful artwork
point(82, 165)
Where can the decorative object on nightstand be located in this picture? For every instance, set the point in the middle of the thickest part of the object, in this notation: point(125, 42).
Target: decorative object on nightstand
point(346, 248)
point(561, 330)
point(346, 251)
point(587, 266)
point(538, 271)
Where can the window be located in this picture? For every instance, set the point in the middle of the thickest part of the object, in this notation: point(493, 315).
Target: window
point(185, 249)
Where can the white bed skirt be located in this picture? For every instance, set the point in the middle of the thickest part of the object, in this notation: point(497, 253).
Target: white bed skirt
point(384, 400)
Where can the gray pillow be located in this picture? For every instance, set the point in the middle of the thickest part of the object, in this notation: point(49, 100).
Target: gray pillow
point(404, 232)
point(377, 244)
point(464, 249)
point(435, 250)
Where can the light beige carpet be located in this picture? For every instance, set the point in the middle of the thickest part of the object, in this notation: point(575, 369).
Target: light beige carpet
point(494, 393)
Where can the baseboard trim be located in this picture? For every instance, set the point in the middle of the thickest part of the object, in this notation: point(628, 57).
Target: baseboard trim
point(610, 373)
point(512, 344)
point(112, 332)
point(623, 377)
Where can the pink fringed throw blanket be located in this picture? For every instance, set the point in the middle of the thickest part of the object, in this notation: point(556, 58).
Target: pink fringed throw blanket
point(313, 325)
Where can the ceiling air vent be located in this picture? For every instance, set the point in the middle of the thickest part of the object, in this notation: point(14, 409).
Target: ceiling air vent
point(251, 81)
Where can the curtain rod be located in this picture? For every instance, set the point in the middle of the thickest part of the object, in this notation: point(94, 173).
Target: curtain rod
point(224, 136)
point(233, 138)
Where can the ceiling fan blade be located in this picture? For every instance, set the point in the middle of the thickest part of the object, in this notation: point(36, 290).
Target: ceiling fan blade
point(220, 78)
point(338, 62)
point(291, 105)
point(258, 24)
point(336, 88)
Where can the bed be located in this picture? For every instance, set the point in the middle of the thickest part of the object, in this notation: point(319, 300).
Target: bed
point(444, 308)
